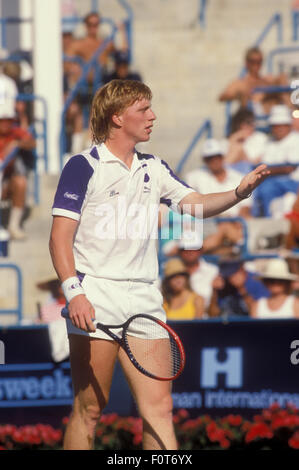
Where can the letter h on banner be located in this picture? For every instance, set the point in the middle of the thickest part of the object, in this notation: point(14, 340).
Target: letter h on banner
point(211, 367)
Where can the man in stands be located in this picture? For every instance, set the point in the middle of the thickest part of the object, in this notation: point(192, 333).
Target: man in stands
point(14, 182)
point(242, 88)
point(245, 145)
point(218, 177)
point(202, 274)
point(86, 47)
point(122, 68)
point(279, 193)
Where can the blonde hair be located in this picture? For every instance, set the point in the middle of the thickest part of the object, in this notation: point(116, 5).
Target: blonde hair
point(114, 98)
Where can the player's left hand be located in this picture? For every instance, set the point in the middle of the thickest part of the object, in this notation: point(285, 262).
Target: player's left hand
point(252, 180)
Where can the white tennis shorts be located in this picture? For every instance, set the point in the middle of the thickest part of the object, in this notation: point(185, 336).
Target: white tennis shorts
point(116, 301)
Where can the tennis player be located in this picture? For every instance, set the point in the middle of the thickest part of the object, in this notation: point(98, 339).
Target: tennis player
point(104, 251)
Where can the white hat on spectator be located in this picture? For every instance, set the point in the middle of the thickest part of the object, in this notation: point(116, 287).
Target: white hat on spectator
point(3, 54)
point(7, 110)
point(212, 147)
point(278, 268)
point(191, 240)
point(280, 114)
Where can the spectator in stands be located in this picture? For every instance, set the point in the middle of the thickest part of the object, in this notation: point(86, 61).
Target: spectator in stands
point(245, 146)
point(122, 68)
point(86, 47)
point(242, 88)
point(202, 273)
point(8, 87)
point(280, 303)
point(50, 310)
point(218, 177)
point(74, 115)
point(279, 193)
point(21, 73)
point(235, 290)
point(15, 173)
point(180, 302)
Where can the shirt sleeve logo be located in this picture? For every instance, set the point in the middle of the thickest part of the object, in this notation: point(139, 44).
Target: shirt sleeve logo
point(73, 196)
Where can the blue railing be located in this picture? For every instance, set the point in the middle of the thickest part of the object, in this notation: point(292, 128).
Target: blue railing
point(205, 128)
point(11, 20)
point(129, 25)
point(43, 134)
point(75, 90)
point(275, 20)
point(202, 13)
point(295, 24)
point(277, 51)
point(18, 310)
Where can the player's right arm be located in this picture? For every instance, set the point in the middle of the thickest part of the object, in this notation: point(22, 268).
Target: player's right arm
point(61, 249)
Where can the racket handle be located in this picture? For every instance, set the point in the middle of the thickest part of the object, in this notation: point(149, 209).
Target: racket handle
point(65, 312)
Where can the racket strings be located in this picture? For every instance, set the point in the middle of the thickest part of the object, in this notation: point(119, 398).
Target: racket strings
point(154, 348)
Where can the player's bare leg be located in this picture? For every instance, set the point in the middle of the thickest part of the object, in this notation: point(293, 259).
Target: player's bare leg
point(92, 364)
point(154, 403)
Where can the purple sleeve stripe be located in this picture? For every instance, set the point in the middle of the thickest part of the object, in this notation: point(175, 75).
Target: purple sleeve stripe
point(173, 175)
point(73, 184)
point(144, 156)
point(94, 153)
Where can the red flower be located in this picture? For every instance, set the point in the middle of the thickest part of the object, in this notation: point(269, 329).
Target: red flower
point(65, 420)
point(258, 430)
point(294, 441)
point(183, 413)
point(137, 439)
point(274, 407)
point(225, 443)
point(234, 420)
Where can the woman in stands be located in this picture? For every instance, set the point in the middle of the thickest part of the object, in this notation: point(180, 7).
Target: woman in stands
point(180, 302)
point(281, 303)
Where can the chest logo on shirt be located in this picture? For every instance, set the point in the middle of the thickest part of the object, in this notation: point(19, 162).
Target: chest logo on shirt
point(113, 193)
point(146, 189)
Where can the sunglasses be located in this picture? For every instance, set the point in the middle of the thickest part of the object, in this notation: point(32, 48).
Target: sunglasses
point(92, 25)
point(255, 61)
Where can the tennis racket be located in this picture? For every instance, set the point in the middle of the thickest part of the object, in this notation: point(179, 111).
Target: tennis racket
point(151, 345)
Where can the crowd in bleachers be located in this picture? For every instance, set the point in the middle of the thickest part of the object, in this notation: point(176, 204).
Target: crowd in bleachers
point(212, 276)
point(231, 279)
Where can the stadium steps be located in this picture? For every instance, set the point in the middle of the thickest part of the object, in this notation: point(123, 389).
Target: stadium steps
point(32, 255)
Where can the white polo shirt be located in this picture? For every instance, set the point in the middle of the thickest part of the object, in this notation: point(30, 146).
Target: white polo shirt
point(117, 209)
point(282, 151)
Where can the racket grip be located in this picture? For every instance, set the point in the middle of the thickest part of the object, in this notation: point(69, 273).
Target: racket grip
point(65, 312)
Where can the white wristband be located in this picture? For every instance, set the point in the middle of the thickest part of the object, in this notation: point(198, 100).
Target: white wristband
point(72, 287)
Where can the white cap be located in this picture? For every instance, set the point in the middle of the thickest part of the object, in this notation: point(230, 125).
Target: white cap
point(212, 147)
point(7, 110)
point(191, 240)
point(4, 54)
point(280, 114)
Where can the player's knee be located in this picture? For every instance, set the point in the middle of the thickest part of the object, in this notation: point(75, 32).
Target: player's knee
point(91, 415)
point(161, 408)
